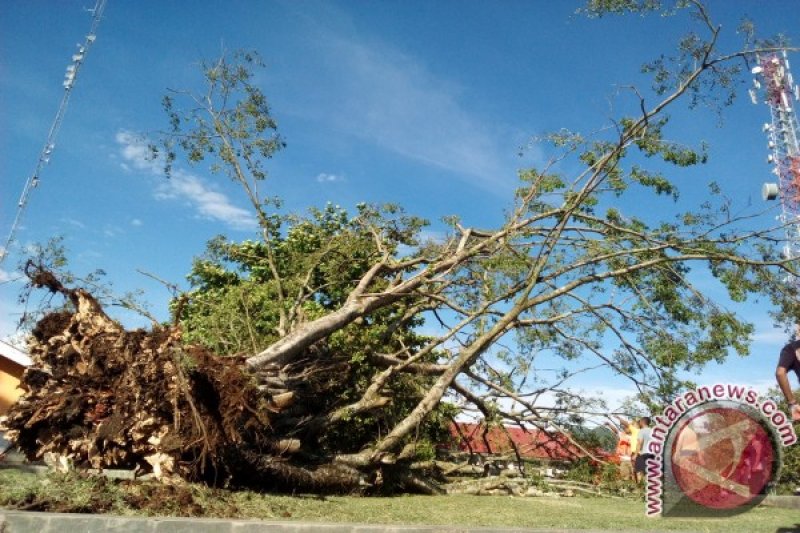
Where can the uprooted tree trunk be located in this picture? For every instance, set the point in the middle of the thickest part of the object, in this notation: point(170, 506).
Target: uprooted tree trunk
point(105, 397)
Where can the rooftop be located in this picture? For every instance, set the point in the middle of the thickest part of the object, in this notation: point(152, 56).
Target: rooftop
point(13, 354)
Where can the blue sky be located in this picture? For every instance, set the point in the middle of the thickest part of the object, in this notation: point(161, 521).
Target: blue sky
point(422, 103)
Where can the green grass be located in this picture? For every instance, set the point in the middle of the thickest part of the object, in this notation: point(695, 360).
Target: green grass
point(79, 494)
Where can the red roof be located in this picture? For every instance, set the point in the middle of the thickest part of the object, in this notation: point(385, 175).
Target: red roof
point(532, 444)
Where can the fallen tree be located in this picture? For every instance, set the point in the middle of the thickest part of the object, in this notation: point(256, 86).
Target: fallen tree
point(327, 382)
point(104, 397)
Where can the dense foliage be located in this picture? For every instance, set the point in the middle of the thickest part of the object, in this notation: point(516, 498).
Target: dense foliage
point(232, 308)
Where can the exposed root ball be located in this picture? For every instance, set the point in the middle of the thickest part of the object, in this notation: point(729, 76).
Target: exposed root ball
point(105, 397)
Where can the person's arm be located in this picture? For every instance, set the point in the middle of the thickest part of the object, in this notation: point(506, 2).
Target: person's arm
point(637, 447)
point(782, 377)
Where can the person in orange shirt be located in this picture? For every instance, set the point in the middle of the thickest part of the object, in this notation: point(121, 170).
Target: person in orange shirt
point(633, 428)
point(623, 450)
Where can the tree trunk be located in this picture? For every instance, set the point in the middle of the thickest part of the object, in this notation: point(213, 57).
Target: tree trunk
point(289, 347)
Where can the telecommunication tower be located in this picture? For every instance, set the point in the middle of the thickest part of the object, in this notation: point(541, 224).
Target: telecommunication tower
point(47, 150)
point(775, 86)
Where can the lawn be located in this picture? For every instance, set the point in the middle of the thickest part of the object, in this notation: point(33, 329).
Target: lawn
point(76, 494)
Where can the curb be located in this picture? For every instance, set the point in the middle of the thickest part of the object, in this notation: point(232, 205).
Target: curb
point(784, 502)
point(36, 522)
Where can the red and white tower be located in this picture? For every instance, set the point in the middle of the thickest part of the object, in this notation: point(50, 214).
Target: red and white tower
point(775, 86)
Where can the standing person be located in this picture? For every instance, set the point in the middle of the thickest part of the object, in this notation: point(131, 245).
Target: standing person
point(789, 360)
point(633, 431)
point(623, 450)
point(633, 428)
point(641, 455)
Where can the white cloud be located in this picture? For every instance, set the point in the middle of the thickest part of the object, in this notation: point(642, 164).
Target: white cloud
point(771, 336)
point(89, 256)
point(134, 150)
point(73, 222)
point(136, 222)
point(391, 99)
point(762, 386)
point(207, 202)
point(436, 236)
point(6, 276)
point(425, 236)
point(184, 186)
point(328, 178)
point(9, 321)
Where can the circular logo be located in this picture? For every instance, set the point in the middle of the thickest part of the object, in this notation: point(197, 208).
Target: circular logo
point(722, 457)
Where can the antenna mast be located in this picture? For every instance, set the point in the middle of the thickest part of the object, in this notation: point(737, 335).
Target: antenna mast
point(44, 156)
point(775, 84)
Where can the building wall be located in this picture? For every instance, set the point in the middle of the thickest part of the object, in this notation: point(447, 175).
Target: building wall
point(10, 374)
